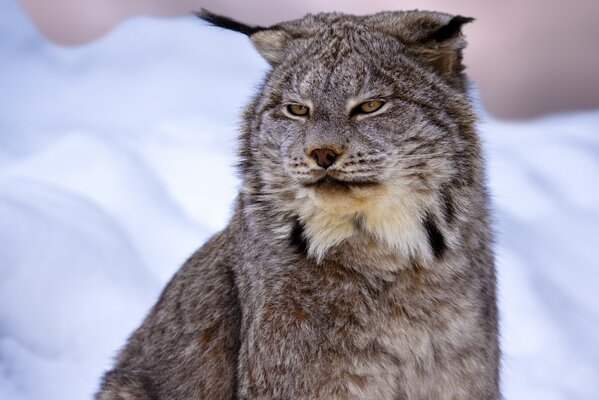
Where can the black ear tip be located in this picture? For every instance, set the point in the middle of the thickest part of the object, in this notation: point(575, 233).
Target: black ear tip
point(202, 14)
point(461, 20)
point(451, 29)
point(207, 16)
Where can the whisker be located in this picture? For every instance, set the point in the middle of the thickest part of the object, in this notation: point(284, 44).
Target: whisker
point(420, 156)
point(355, 171)
point(359, 177)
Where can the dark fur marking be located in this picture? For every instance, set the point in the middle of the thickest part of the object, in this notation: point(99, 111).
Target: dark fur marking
point(298, 240)
point(435, 237)
point(227, 23)
point(448, 206)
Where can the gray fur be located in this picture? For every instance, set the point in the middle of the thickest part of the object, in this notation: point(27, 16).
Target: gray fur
point(381, 286)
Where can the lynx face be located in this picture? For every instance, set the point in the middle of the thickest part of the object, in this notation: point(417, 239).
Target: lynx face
point(358, 127)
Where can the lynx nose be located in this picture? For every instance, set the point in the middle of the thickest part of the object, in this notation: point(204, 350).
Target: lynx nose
point(324, 157)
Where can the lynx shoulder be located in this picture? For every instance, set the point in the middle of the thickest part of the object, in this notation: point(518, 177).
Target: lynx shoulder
point(357, 263)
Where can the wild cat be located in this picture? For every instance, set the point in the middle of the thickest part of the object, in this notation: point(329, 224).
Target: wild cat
point(357, 263)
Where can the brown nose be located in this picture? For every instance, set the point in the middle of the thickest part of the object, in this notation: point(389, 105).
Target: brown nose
point(324, 157)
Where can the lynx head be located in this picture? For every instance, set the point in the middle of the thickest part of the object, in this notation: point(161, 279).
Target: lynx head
point(361, 128)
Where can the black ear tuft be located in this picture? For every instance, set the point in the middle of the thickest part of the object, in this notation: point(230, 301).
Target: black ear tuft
point(227, 23)
point(451, 29)
point(270, 42)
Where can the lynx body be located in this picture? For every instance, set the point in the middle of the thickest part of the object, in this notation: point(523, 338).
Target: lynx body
point(357, 263)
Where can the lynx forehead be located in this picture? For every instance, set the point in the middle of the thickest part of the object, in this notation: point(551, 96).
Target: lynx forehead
point(357, 264)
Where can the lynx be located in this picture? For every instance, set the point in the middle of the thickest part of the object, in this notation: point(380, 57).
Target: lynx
point(357, 263)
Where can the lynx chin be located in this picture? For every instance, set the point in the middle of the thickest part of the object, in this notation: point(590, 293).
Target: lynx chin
point(357, 263)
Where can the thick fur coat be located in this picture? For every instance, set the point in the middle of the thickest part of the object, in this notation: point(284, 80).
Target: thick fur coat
point(357, 263)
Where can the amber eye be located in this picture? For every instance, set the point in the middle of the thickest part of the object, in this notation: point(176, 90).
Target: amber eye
point(368, 107)
point(297, 110)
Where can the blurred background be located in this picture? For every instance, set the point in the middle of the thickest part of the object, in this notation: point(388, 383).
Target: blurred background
point(117, 138)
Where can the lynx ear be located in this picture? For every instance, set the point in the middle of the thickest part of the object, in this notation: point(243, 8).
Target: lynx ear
point(443, 46)
point(270, 42)
point(435, 36)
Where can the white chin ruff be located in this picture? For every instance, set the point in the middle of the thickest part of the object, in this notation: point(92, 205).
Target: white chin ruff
point(390, 214)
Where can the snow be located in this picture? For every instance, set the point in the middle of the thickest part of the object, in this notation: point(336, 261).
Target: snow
point(116, 162)
point(543, 177)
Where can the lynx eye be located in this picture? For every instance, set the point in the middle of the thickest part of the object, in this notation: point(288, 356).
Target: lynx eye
point(368, 107)
point(297, 110)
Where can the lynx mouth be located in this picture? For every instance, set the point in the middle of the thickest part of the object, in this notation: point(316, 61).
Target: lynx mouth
point(328, 182)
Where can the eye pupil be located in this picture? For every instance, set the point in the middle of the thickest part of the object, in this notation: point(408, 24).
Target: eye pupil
point(370, 106)
point(297, 109)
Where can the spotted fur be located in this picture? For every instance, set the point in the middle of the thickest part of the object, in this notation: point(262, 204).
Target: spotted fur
point(372, 279)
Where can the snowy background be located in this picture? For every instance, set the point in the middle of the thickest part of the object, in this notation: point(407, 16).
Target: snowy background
point(116, 162)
